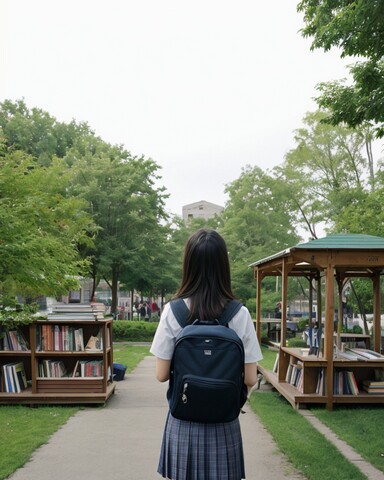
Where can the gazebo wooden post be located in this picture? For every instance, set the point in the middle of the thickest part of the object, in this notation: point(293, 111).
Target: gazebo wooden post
point(376, 313)
point(319, 302)
point(310, 301)
point(284, 292)
point(258, 304)
point(328, 328)
point(340, 311)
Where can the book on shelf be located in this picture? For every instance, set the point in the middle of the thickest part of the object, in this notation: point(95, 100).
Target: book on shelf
point(95, 343)
point(276, 364)
point(320, 387)
point(91, 368)
point(49, 368)
point(78, 340)
point(59, 338)
point(14, 377)
point(75, 372)
point(294, 374)
point(344, 383)
point(12, 340)
point(360, 354)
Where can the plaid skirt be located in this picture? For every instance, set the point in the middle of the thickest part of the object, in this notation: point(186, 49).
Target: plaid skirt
point(201, 451)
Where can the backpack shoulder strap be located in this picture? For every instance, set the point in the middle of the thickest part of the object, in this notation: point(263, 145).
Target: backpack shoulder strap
point(180, 311)
point(229, 312)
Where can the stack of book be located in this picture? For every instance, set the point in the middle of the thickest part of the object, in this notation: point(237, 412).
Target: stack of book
point(77, 311)
point(374, 387)
point(360, 354)
point(13, 379)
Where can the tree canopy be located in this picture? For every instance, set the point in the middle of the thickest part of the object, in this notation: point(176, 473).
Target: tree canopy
point(357, 29)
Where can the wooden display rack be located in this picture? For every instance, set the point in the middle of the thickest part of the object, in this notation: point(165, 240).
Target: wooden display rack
point(68, 389)
point(329, 263)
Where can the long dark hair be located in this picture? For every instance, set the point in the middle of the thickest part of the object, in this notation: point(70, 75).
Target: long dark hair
point(206, 279)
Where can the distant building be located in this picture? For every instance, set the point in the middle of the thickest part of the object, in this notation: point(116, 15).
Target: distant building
point(201, 209)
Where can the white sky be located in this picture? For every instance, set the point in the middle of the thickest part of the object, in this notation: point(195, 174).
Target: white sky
point(203, 88)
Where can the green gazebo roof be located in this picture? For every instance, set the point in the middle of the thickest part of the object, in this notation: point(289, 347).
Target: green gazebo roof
point(344, 241)
point(340, 241)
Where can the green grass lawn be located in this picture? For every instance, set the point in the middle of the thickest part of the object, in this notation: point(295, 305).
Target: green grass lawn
point(360, 426)
point(23, 429)
point(129, 355)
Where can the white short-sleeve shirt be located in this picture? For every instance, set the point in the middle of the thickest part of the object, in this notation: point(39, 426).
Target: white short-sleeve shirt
point(164, 339)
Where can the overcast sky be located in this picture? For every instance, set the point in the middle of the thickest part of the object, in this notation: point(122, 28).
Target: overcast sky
point(203, 88)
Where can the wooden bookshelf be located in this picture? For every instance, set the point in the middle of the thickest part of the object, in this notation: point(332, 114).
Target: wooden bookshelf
point(93, 385)
point(311, 366)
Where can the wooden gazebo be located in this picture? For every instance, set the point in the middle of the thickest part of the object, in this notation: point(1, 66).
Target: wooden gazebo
point(328, 264)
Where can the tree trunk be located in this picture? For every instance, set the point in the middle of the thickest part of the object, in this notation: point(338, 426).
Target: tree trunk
point(115, 288)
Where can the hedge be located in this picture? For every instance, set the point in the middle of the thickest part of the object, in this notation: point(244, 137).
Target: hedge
point(133, 330)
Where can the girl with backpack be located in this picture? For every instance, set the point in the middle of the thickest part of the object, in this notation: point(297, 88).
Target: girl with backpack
point(195, 450)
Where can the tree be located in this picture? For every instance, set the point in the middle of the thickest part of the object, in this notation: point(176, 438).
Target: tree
point(357, 28)
point(257, 223)
point(40, 228)
point(326, 172)
point(128, 209)
point(39, 134)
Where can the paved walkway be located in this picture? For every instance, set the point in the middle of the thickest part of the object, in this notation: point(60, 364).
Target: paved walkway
point(121, 441)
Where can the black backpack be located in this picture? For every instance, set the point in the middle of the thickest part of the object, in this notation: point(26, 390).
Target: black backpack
point(207, 368)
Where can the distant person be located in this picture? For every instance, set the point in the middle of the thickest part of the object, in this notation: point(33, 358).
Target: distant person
point(193, 450)
point(154, 307)
point(147, 314)
point(142, 311)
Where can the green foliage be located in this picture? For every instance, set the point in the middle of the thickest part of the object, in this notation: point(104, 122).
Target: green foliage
point(13, 314)
point(256, 223)
point(357, 29)
point(326, 172)
point(132, 330)
point(40, 228)
point(296, 343)
point(301, 324)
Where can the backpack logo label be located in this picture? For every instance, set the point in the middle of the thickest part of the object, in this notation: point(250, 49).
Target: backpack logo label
point(207, 352)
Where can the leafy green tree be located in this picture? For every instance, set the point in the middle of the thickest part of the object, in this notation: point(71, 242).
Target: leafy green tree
point(326, 172)
point(37, 133)
point(355, 27)
point(40, 228)
point(257, 223)
point(128, 209)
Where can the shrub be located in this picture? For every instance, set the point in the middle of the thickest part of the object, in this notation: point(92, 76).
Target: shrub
point(133, 331)
point(301, 324)
point(297, 343)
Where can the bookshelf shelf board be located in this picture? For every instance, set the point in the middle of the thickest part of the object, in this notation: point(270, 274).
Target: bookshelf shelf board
point(28, 398)
point(15, 353)
point(63, 353)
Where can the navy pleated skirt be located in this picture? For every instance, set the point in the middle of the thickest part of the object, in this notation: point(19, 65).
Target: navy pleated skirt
point(201, 451)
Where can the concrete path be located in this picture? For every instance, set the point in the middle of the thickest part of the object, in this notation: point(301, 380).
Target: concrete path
point(121, 441)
